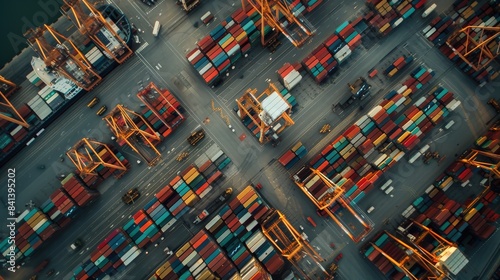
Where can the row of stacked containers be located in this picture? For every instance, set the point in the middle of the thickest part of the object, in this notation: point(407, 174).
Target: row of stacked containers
point(232, 246)
point(11, 133)
point(399, 64)
point(444, 215)
point(147, 225)
point(292, 156)
point(35, 226)
point(324, 60)
point(378, 140)
point(289, 75)
point(233, 38)
point(466, 13)
point(387, 15)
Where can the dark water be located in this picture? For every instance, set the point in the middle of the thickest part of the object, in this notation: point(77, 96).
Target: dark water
point(16, 16)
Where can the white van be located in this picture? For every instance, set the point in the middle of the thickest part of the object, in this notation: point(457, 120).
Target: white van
point(389, 190)
point(156, 28)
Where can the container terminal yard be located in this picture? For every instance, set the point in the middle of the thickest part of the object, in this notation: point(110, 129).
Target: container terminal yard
point(254, 140)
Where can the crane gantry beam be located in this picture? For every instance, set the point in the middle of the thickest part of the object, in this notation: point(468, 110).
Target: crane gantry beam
point(94, 24)
point(88, 154)
point(271, 12)
point(70, 63)
point(289, 242)
point(7, 87)
point(250, 105)
point(473, 47)
point(334, 194)
point(442, 242)
point(122, 122)
point(5, 104)
point(478, 159)
point(412, 255)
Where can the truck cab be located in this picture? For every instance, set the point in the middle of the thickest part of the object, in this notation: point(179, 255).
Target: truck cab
point(76, 246)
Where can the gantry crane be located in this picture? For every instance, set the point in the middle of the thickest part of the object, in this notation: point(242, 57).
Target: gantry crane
point(272, 12)
point(443, 253)
point(154, 97)
point(7, 87)
point(407, 257)
point(490, 162)
point(125, 125)
point(65, 57)
point(87, 155)
point(269, 111)
point(9, 113)
point(289, 242)
point(476, 53)
point(334, 193)
point(99, 30)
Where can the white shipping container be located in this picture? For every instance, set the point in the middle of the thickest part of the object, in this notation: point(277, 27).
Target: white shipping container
point(168, 225)
point(400, 101)
point(250, 273)
point(453, 105)
point(189, 258)
point(212, 222)
point(426, 29)
point(132, 258)
point(217, 156)
point(407, 124)
point(402, 89)
point(374, 111)
point(245, 218)
point(206, 68)
point(399, 156)
point(252, 225)
point(194, 55)
point(17, 129)
point(54, 216)
point(257, 245)
point(266, 253)
point(397, 22)
point(223, 236)
point(386, 184)
point(205, 192)
point(430, 32)
point(196, 265)
point(129, 253)
point(380, 159)
point(40, 224)
point(361, 121)
point(253, 239)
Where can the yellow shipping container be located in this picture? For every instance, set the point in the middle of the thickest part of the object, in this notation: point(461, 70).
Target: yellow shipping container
point(384, 28)
point(296, 146)
point(494, 76)
point(163, 270)
point(416, 116)
point(407, 92)
point(312, 181)
point(393, 72)
point(229, 41)
point(190, 172)
point(183, 249)
point(389, 104)
point(244, 192)
point(250, 200)
point(192, 199)
point(379, 140)
point(349, 152)
point(33, 221)
point(471, 214)
point(192, 177)
point(379, 5)
point(241, 37)
point(403, 136)
point(455, 223)
point(446, 182)
point(205, 274)
point(102, 152)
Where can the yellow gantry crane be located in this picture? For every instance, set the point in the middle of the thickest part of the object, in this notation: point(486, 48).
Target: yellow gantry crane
point(65, 58)
point(125, 125)
point(411, 257)
point(100, 31)
point(7, 87)
point(7, 107)
point(272, 12)
point(480, 52)
point(334, 194)
point(490, 162)
point(269, 111)
point(87, 155)
point(290, 242)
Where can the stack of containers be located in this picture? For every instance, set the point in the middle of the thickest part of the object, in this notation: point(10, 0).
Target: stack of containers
point(422, 75)
point(400, 63)
point(87, 270)
point(78, 191)
point(91, 181)
point(107, 156)
point(489, 142)
point(51, 97)
point(7, 253)
point(173, 200)
point(34, 79)
point(195, 180)
point(319, 63)
point(60, 208)
point(289, 75)
point(286, 95)
point(33, 227)
point(438, 30)
point(112, 255)
point(293, 155)
point(12, 133)
point(39, 107)
point(311, 4)
point(350, 36)
point(386, 15)
point(166, 110)
point(141, 229)
point(468, 14)
point(6, 142)
point(296, 7)
point(200, 258)
point(158, 212)
point(460, 171)
point(226, 43)
point(248, 208)
point(396, 252)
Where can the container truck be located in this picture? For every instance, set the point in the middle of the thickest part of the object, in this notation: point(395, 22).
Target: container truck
point(196, 137)
point(156, 28)
point(429, 10)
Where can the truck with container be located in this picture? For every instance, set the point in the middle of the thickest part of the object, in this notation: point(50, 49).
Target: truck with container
point(213, 206)
point(156, 28)
point(196, 137)
point(360, 88)
point(131, 196)
point(429, 10)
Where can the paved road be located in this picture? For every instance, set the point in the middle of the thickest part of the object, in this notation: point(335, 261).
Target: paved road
point(162, 60)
